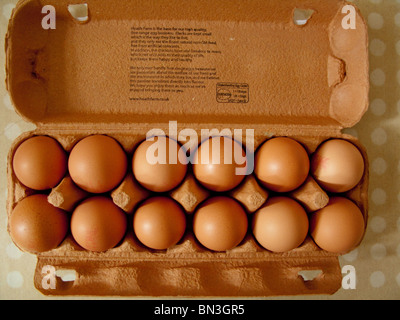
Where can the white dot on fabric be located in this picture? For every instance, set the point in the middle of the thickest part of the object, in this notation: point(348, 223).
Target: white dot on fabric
point(398, 47)
point(379, 166)
point(7, 102)
point(377, 47)
point(378, 107)
point(377, 224)
point(378, 251)
point(375, 21)
point(13, 252)
point(378, 77)
point(12, 131)
point(351, 256)
point(377, 279)
point(7, 10)
point(15, 279)
point(398, 76)
point(378, 196)
point(379, 136)
point(397, 19)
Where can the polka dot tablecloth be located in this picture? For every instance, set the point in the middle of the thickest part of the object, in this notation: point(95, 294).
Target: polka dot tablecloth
point(376, 261)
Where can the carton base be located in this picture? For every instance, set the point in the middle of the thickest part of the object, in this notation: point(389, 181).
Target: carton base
point(187, 278)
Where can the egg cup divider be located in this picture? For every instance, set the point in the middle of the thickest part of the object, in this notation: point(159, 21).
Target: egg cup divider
point(70, 92)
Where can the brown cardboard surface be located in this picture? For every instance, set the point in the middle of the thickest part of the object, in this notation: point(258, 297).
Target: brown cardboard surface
point(188, 57)
point(192, 273)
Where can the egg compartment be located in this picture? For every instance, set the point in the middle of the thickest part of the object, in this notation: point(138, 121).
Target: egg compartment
point(311, 82)
point(188, 268)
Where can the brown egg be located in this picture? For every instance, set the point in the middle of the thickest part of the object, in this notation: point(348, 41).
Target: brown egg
point(37, 226)
point(338, 227)
point(97, 224)
point(337, 165)
point(220, 223)
point(97, 163)
point(157, 165)
point(280, 225)
point(281, 164)
point(40, 163)
point(159, 223)
point(219, 162)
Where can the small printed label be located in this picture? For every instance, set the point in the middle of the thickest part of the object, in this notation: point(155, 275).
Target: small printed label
point(171, 60)
point(232, 92)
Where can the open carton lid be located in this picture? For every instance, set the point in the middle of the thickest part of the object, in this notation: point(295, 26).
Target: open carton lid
point(195, 61)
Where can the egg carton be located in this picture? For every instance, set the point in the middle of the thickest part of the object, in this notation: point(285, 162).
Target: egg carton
point(81, 86)
point(188, 268)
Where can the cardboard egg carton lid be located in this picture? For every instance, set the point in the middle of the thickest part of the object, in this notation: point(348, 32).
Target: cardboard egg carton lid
point(259, 62)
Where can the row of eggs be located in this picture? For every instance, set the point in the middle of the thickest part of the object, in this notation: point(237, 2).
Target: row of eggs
point(219, 224)
point(98, 163)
